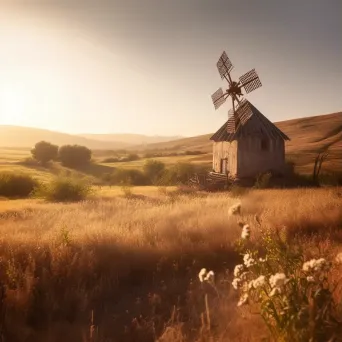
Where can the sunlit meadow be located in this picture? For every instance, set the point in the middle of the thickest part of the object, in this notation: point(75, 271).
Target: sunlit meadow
point(127, 267)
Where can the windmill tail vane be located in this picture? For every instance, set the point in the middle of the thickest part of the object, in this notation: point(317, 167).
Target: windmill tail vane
point(240, 108)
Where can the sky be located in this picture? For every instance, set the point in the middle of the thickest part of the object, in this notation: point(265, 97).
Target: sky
point(149, 66)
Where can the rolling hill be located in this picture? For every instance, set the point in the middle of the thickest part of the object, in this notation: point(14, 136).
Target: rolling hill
point(26, 137)
point(309, 136)
point(131, 139)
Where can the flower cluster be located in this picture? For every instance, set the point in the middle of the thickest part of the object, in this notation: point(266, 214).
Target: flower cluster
point(277, 282)
point(258, 282)
point(203, 275)
point(248, 260)
point(238, 270)
point(338, 258)
point(316, 266)
point(246, 232)
point(235, 209)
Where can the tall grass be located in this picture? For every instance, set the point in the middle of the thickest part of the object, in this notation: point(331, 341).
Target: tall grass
point(126, 269)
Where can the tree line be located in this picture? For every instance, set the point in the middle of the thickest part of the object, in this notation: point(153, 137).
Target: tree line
point(68, 155)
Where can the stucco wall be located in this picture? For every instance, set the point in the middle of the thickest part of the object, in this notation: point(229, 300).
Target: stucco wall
point(222, 150)
point(253, 160)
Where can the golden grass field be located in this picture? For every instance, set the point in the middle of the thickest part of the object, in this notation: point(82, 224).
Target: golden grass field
point(132, 263)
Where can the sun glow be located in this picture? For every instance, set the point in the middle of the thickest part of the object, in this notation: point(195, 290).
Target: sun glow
point(52, 78)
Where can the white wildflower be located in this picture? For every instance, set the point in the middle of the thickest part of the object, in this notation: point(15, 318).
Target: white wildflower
point(210, 276)
point(243, 300)
point(316, 265)
point(236, 283)
point(278, 280)
point(338, 258)
point(275, 291)
point(238, 270)
point(243, 276)
point(248, 260)
point(246, 232)
point(202, 274)
point(262, 260)
point(258, 282)
point(310, 279)
point(234, 209)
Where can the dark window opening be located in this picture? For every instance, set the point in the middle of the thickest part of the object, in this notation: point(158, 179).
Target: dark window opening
point(265, 144)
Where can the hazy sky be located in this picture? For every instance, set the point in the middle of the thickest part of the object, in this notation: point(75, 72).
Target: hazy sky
point(149, 66)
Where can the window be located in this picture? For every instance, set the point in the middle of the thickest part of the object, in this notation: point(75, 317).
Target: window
point(265, 144)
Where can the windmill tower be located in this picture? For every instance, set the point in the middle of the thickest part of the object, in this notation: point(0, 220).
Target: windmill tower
point(248, 143)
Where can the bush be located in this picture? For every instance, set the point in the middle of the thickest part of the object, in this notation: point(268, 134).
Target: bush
point(127, 191)
point(29, 161)
point(154, 170)
point(16, 184)
point(74, 155)
point(65, 189)
point(128, 177)
point(263, 180)
point(44, 152)
point(178, 174)
point(330, 179)
point(132, 157)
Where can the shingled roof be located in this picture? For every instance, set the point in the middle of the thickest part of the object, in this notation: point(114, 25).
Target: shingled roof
point(253, 123)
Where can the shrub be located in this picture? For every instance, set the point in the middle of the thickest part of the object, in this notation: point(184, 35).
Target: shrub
point(263, 180)
point(330, 179)
point(74, 155)
point(127, 191)
point(177, 174)
point(132, 157)
point(44, 152)
point(154, 170)
point(65, 189)
point(16, 184)
point(29, 161)
point(128, 177)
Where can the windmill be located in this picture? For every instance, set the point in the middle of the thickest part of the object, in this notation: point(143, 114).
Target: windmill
point(240, 109)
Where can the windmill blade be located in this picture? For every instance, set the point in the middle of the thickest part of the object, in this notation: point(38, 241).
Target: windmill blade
point(218, 98)
point(244, 111)
point(224, 65)
point(250, 81)
point(231, 125)
point(230, 113)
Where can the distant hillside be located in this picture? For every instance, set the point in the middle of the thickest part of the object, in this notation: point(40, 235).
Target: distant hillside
point(308, 135)
point(131, 139)
point(14, 136)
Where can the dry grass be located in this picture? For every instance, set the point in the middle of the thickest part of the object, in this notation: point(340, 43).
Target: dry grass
point(134, 263)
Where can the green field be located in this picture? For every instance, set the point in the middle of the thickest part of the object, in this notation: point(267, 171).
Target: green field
point(12, 160)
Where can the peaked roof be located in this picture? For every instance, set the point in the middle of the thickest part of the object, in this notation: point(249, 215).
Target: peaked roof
point(254, 123)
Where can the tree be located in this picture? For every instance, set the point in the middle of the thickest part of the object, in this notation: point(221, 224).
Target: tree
point(44, 151)
point(154, 169)
point(74, 155)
